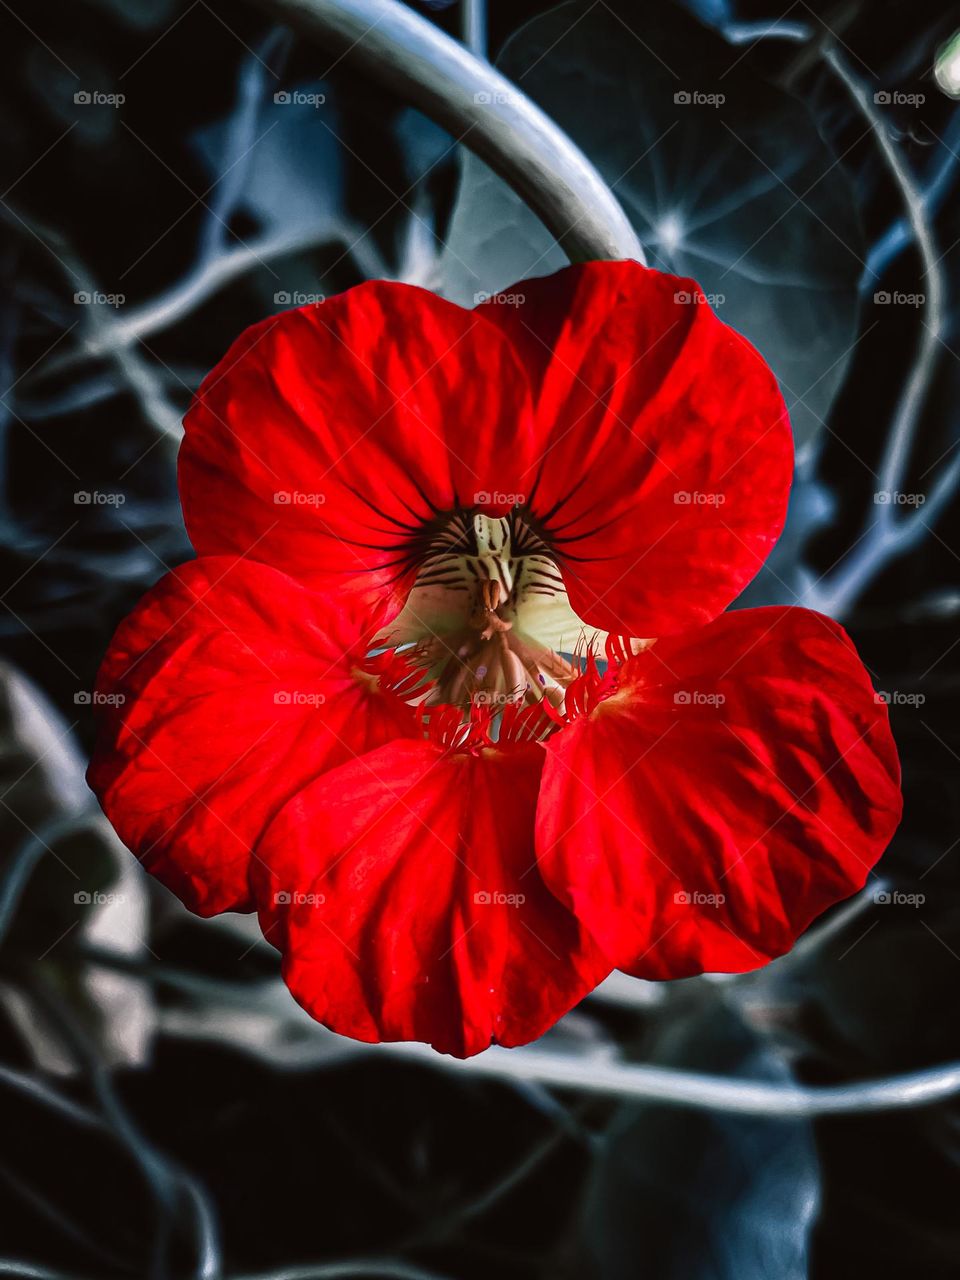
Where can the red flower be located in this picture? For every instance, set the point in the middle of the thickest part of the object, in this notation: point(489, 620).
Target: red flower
point(371, 709)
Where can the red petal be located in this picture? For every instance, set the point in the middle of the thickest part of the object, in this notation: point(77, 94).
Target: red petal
point(742, 780)
point(664, 454)
point(368, 414)
point(224, 692)
point(392, 892)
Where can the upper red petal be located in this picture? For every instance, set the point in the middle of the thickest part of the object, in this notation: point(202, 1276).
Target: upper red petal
point(404, 892)
point(743, 779)
point(663, 455)
point(227, 689)
point(328, 436)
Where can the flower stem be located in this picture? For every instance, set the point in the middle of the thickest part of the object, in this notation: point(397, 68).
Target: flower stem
point(586, 1074)
point(481, 108)
point(886, 537)
point(474, 26)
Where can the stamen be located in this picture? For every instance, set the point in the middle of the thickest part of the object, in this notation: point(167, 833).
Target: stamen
point(478, 645)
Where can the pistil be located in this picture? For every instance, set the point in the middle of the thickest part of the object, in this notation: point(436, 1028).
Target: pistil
point(484, 615)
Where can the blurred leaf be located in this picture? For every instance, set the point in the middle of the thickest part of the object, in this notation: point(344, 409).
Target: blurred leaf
point(64, 880)
point(691, 1195)
point(371, 1155)
point(72, 1194)
point(744, 195)
point(296, 185)
point(40, 766)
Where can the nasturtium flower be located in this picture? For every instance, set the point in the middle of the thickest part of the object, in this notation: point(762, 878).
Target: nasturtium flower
point(449, 695)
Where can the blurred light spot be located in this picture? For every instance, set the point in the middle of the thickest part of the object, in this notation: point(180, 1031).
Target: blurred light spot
point(670, 232)
point(946, 68)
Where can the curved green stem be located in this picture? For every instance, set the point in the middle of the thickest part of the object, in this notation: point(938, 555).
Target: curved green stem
point(483, 110)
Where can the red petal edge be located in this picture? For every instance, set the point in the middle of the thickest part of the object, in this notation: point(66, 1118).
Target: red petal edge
point(228, 688)
point(404, 893)
point(742, 780)
point(329, 437)
point(662, 454)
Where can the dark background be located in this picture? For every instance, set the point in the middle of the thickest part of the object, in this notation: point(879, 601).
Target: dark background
point(165, 1108)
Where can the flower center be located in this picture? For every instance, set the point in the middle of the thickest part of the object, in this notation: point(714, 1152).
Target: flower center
point(488, 616)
